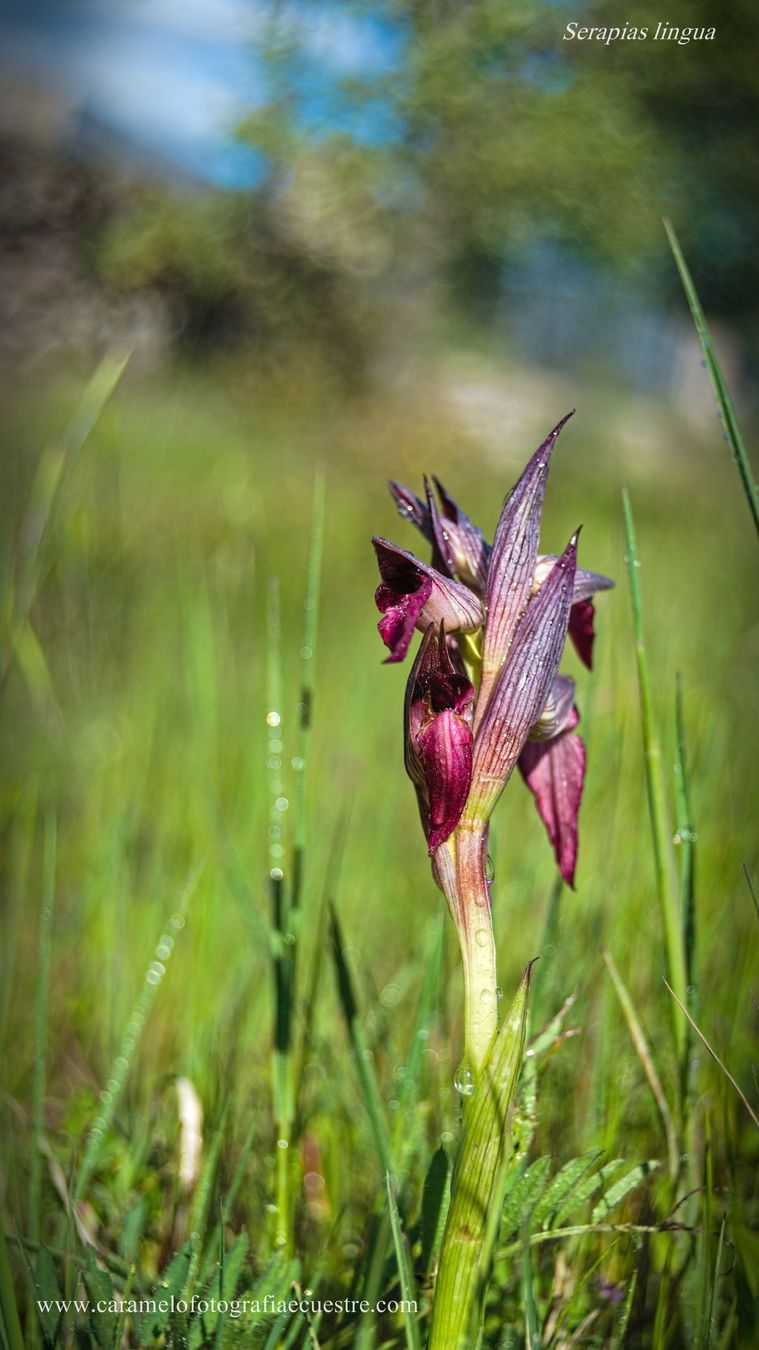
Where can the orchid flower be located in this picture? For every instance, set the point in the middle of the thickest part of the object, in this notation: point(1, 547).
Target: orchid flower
point(485, 695)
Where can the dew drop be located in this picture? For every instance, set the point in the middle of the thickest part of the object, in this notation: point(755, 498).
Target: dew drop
point(486, 996)
point(273, 718)
point(482, 937)
point(463, 1079)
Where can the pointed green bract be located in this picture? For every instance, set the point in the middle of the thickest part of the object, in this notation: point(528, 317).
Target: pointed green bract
point(475, 1182)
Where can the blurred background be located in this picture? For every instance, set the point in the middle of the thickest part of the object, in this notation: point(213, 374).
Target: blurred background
point(386, 238)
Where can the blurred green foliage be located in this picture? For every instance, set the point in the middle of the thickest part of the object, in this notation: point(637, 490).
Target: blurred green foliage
point(477, 137)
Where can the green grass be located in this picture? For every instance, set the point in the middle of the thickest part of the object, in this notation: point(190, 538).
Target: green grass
point(147, 743)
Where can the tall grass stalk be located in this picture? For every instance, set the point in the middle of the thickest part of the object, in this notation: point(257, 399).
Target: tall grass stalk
point(122, 1064)
point(282, 1086)
point(721, 392)
point(41, 1037)
point(38, 529)
point(685, 838)
point(307, 684)
point(731, 1080)
point(649, 1068)
point(661, 834)
point(10, 1323)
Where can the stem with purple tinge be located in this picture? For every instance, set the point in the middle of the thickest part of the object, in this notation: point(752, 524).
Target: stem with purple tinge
point(461, 869)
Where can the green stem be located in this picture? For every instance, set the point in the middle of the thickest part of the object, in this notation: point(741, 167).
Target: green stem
point(477, 945)
point(477, 1189)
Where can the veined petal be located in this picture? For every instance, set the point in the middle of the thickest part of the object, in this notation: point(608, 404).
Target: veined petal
point(558, 712)
point(586, 583)
point(438, 757)
point(512, 564)
point(411, 507)
point(581, 630)
point(460, 541)
point(522, 688)
point(554, 771)
point(413, 595)
point(444, 746)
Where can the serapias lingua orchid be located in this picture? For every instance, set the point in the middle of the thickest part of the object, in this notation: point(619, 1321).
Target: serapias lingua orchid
point(485, 695)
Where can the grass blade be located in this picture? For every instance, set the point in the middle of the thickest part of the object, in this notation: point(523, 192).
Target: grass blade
point(282, 962)
point(434, 964)
point(408, 1290)
point(368, 1085)
point(201, 1203)
point(721, 391)
point(711, 1322)
point(685, 836)
point(717, 1059)
point(130, 1041)
point(307, 681)
point(644, 1055)
point(38, 527)
point(660, 832)
point(11, 1324)
point(436, 1195)
point(533, 1338)
point(40, 1050)
point(620, 1334)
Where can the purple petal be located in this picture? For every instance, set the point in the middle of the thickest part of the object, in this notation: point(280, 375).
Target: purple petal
point(401, 612)
point(512, 563)
point(413, 595)
point(438, 758)
point(442, 556)
point(581, 630)
point(411, 507)
point(522, 688)
point(445, 750)
point(586, 583)
point(554, 771)
point(461, 541)
point(559, 711)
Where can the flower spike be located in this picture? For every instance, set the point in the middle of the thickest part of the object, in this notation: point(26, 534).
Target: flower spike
point(484, 695)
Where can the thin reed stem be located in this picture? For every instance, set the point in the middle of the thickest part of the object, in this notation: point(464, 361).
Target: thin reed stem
point(282, 1090)
point(661, 834)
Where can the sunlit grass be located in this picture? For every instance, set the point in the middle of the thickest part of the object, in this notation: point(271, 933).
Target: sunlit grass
point(149, 746)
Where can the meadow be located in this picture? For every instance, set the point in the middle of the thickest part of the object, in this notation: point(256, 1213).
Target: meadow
point(175, 601)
